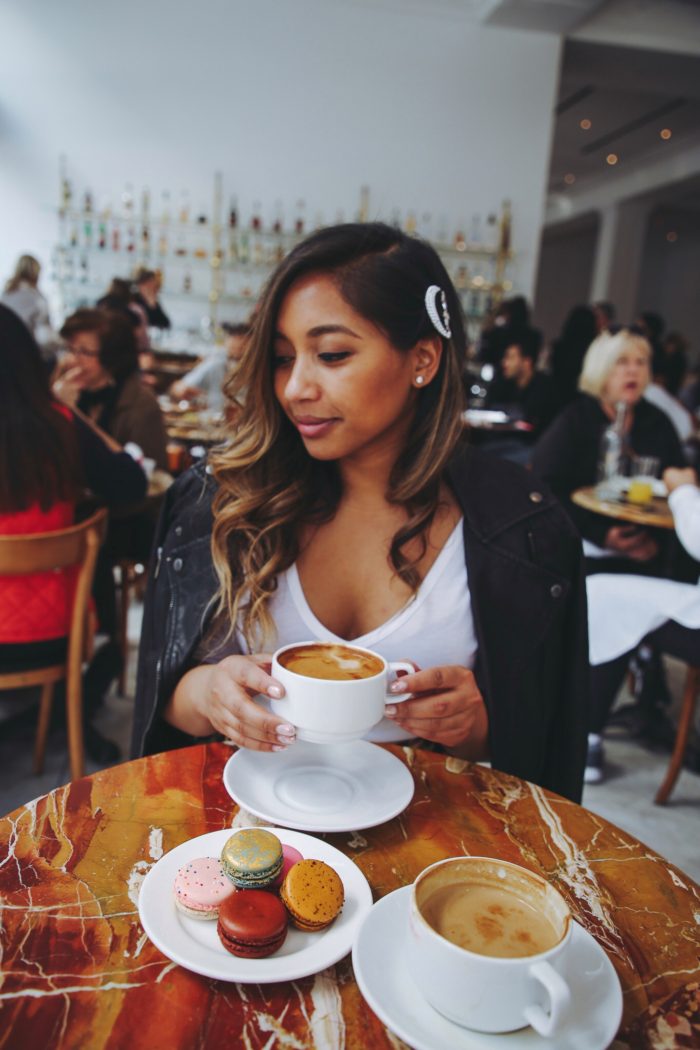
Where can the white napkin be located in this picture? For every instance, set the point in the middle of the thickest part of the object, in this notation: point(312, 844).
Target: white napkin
point(623, 609)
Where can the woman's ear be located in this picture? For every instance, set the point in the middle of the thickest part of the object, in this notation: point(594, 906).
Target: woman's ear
point(426, 354)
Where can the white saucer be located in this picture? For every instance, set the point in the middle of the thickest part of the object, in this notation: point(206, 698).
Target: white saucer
point(320, 787)
point(380, 969)
point(195, 944)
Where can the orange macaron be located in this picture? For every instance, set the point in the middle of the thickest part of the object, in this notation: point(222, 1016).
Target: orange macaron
point(313, 894)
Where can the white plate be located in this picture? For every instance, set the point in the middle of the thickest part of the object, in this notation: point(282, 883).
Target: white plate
point(195, 944)
point(380, 969)
point(320, 787)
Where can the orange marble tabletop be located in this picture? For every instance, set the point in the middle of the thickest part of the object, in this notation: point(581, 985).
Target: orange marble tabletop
point(77, 970)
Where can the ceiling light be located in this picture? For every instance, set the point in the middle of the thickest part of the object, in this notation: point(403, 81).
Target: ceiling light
point(612, 158)
point(672, 236)
point(665, 134)
point(585, 124)
point(569, 178)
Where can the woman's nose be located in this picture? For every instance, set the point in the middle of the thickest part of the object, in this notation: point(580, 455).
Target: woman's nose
point(301, 385)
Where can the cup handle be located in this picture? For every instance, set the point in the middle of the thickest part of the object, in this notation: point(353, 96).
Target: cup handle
point(544, 1023)
point(399, 665)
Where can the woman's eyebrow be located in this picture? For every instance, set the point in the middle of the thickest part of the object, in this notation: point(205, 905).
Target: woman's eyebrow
point(322, 329)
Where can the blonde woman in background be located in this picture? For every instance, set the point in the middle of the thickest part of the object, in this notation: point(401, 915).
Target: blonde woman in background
point(616, 369)
point(22, 296)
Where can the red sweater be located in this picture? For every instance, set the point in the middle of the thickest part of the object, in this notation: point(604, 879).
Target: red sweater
point(37, 607)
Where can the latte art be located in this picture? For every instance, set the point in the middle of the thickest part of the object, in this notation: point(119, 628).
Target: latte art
point(332, 662)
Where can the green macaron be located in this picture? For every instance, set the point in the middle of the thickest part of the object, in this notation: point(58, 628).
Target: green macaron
point(252, 858)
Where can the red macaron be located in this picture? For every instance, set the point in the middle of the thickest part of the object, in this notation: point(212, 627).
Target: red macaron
point(252, 924)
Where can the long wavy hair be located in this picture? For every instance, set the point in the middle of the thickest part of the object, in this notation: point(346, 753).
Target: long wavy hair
point(268, 484)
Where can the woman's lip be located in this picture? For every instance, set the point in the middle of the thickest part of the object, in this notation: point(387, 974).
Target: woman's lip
point(310, 427)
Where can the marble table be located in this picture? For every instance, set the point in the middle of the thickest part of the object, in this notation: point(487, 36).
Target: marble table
point(78, 971)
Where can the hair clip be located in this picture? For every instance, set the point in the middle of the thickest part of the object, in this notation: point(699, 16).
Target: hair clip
point(441, 324)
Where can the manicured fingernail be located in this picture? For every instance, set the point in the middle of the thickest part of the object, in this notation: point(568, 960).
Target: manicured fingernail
point(278, 747)
point(285, 733)
point(398, 686)
point(275, 690)
point(390, 711)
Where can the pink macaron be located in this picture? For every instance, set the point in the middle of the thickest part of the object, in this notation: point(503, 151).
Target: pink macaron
point(290, 856)
point(201, 887)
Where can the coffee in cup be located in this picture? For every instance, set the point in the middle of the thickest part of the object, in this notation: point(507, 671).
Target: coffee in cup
point(333, 692)
point(484, 940)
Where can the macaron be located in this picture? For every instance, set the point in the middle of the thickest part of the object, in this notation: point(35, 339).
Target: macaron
point(290, 857)
point(201, 887)
point(313, 894)
point(252, 924)
point(252, 858)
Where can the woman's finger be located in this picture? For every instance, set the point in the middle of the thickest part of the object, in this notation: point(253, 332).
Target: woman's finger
point(249, 672)
point(433, 679)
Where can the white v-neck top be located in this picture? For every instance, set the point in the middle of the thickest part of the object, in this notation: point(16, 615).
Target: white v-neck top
point(434, 629)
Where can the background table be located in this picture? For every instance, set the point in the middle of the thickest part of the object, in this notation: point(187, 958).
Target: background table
point(655, 514)
point(78, 970)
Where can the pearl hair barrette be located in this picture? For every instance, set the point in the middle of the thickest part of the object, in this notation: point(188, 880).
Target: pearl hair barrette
point(441, 324)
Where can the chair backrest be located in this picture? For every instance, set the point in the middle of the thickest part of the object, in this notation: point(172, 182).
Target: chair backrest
point(45, 551)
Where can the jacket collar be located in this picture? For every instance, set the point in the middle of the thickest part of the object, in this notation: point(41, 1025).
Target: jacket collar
point(495, 494)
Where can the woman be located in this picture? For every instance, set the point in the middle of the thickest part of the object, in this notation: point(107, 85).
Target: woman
point(569, 350)
point(100, 375)
point(49, 455)
point(22, 295)
point(346, 506)
point(616, 369)
point(626, 612)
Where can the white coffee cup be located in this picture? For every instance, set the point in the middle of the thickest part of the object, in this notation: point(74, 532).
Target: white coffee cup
point(500, 906)
point(327, 710)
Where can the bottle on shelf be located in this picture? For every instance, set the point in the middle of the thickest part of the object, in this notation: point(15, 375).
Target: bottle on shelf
point(165, 207)
point(145, 204)
point(300, 219)
point(87, 203)
point(102, 235)
point(73, 236)
point(460, 241)
point(128, 199)
point(130, 239)
point(505, 228)
point(163, 242)
point(187, 282)
point(610, 454)
point(363, 215)
point(255, 220)
point(278, 222)
point(116, 238)
point(492, 235)
point(184, 213)
point(411, 223)
point(66, 193)
point(244, 248)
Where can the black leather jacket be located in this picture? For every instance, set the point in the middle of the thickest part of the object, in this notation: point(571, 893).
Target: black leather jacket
point(525, 572)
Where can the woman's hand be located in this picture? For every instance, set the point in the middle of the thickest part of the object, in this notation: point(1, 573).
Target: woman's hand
point(67, 387)
point(446, 707)
point(675, 476)
point(218, 698)
point(631, 542)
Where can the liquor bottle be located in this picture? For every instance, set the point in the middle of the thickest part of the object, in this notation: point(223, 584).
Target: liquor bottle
point(74, 236)
point(87, 203)
point(278, 223)
point(163, 243)
point(460, 240)
point(128, 199)
point(145, 240)
point(299, 221)
point(410, 223)
point(130, 239)
point(610, 455)
point(233, 213)
point(66, 193)
point(505, 228)
point(255, 220)
point(180, 248)
point(102, 238)
point(187, 282)
point(145, 204)
point(184, 215)
point(492, 238)
point(165, 207)
point(244, 248)
point(87, 231)
point(364, 204)
point(115, 238)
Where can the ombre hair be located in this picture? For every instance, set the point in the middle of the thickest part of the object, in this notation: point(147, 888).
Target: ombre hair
point(269, 485)
point(602, 356)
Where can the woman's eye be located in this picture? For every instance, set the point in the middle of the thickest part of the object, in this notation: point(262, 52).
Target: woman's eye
point(281, 360)
point(332, 357)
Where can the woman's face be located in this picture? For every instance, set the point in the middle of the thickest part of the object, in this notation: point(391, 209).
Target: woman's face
point(339, 380)
point(84, 353)
point(629, 376)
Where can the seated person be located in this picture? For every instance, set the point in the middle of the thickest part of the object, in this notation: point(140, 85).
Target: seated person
point(521, 390)
point(100, 375)
point(49, 456)
point(207, 378)
point(147, 284)
point(627, 611)
point(347, 505)
point(616, 369)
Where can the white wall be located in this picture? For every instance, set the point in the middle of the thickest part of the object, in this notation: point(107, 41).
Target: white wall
point(564, 274)
point(289, 98)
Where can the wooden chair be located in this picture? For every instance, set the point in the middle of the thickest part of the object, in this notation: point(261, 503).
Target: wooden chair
point(44, 552)
point(130, 575)
point(685, 723)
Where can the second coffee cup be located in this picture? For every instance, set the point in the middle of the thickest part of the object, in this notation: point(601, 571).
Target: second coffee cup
point(333, 692)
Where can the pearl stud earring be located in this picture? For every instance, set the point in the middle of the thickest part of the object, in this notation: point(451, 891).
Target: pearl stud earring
point(420, 380)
